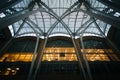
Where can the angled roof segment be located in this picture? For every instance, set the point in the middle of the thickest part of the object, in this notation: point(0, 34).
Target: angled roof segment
point(59, 17)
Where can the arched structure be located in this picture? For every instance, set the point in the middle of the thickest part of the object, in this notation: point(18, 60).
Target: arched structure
point(70, 37)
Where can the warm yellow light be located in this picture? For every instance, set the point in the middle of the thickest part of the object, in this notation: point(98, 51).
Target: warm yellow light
point(7, 72)
point(13, 70)
point(9, 69)
point(52, 54)
point(17, 68)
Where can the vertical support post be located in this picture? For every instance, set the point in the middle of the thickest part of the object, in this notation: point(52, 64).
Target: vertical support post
point(80, 57)
point(39, 56)
point(85, 58)
point(33, 60)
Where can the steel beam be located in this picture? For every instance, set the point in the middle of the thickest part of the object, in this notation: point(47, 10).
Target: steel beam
point(33, 59)
point(85, 58)
point(79, 55)
point(59, 19)
point(19, 29)
point(83, 26)
point(8, 5)
point(110, 5)
point(42, 17)
point(110, 42)
point(40, 54)
point(80, 58)
point(39, 57)
point(8, 20)
point(36, 26)
point(33, 28)
point(4, 22)
point(112, 20)
point(75, 21)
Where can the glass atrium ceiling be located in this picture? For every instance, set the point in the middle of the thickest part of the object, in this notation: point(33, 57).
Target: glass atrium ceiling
point(59, 17)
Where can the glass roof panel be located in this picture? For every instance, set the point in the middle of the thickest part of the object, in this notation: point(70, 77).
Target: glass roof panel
point(41, 22)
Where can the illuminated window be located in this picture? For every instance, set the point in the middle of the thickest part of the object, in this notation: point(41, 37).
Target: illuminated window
point(97, 57)
point(10, 71)
point(62, 54)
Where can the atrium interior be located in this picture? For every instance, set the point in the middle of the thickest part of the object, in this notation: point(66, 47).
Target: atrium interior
point(59, 39)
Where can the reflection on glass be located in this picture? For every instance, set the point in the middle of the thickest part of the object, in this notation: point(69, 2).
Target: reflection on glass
point(9, 71)
point(59, 57)
point(61, 54)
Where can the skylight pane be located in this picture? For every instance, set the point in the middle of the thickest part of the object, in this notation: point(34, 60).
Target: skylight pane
point(42, 21)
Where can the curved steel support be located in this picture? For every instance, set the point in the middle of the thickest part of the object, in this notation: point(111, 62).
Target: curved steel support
point(85, 58)
point(33, 59)
point(59, 19)
point(40, 59)
point(82, 26)
point(36, 26)
point(86, 25)
point(70, 33)
point(42, 16)
point(21, 26)
point(103, 17)
point(117, 50)
point(8, 20)
point(35, 31)
point(41, 54)
point(76, 17)
point(77, 52)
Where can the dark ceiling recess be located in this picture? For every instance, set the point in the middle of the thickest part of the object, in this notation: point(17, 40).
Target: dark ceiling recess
point(5, 34)
point(116, 38)
point(59, 43)
point(117, 2)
